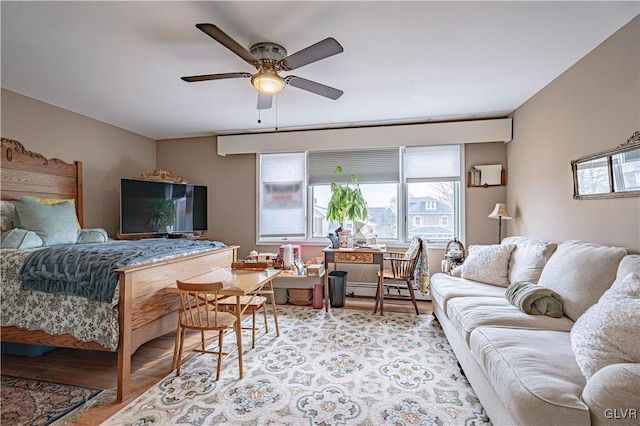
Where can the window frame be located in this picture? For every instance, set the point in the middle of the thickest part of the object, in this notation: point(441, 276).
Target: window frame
point(402, 205)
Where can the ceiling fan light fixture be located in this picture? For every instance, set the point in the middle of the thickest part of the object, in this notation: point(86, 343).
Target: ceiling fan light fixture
point(267, 82)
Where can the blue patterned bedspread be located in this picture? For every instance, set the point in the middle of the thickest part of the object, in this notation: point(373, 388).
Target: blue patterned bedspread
point(87, 270)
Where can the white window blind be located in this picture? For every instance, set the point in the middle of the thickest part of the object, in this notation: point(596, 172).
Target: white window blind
point(428, 162)
point(371, 165)
point(282, 196)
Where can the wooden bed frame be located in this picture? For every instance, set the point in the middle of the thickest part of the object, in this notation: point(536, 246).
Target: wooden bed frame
point(146, 310)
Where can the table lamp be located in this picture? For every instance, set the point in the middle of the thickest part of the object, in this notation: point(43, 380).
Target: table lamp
point(500, 212)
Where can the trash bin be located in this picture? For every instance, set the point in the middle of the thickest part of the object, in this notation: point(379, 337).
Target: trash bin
point(337, 288)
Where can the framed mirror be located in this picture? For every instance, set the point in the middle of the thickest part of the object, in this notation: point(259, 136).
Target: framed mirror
point(486, 175)
point(609, 174)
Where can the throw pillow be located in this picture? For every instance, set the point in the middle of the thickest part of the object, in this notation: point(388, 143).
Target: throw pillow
point(528, 258)
point(56, 201)
point(92, 236)
point(8, 215)
point(54, 223)
point(17, 238)
point(580, 272)
point(488, 264)
point(607, 333)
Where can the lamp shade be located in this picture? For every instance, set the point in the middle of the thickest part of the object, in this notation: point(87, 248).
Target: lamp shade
point(500, 212)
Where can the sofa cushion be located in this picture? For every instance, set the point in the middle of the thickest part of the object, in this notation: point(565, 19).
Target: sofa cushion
point(534, 373)
point(607, 333)
point(488, 264)
point(445, 287)
point(469, 313)
point(528, 258)
point(580, 272)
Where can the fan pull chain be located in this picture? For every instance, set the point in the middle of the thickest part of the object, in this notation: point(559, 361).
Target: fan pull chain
point(276, 112)
point(259, 120)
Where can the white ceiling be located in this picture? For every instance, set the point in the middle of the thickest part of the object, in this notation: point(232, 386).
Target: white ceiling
point(121, 62)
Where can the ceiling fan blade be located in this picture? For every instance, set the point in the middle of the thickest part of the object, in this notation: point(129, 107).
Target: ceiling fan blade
point(264, 101)
point(313, 87)
point(221, 37)
point(205, 77)
point(315, 52)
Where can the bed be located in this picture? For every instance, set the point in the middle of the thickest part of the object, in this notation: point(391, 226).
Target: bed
point(142, 309)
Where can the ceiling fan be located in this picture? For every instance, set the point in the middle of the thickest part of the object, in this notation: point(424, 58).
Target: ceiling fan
point(269, 59)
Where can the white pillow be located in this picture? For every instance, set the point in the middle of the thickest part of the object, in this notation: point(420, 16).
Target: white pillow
point(528, 258)
point(580, 273)
point(488, 264)
point(607, 333)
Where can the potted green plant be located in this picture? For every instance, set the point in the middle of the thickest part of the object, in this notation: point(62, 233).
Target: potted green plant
point(163, 215)
point(346, 203)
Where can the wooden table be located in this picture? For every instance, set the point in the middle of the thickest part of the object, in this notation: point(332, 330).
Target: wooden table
point(238, 283)
point(365, 256)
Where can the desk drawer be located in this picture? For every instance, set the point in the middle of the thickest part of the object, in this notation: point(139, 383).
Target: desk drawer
point(353, 257)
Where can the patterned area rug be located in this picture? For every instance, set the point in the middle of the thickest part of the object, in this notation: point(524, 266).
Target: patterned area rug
point(36, 402)
point(344, 367)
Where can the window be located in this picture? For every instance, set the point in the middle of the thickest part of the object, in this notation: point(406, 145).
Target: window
point(282, 195)
point(432, 187)
point(411, 191)
point(378, 174)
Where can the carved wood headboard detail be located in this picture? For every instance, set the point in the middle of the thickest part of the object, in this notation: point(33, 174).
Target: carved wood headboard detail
point(30, 173)
point(162, 175)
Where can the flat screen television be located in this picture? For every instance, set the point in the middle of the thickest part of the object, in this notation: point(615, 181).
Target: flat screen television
point(149, 207)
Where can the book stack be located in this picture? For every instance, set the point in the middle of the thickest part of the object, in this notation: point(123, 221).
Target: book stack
point(300, 297)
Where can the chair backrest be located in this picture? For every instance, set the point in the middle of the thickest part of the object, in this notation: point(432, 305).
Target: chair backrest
point(406, 270)
point(199, 305)
point(249, 265)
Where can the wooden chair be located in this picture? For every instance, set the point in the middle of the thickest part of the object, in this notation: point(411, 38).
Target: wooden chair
point(254, 302)
point(199, 310)
point(400, 275)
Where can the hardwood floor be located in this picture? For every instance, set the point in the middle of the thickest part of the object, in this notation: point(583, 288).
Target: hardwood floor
point(150, 363)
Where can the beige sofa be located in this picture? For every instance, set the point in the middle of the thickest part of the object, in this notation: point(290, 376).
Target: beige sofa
point(582, 368)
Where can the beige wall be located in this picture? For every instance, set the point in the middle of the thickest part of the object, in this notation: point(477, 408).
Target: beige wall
point(481, 201)
point(107, 152)
point(592, 107)
point(231, 182)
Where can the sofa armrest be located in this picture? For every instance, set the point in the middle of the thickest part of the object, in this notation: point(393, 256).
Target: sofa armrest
point(613, 395)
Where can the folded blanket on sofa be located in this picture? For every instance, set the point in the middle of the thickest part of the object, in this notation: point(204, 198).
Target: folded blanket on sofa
point(534, 299)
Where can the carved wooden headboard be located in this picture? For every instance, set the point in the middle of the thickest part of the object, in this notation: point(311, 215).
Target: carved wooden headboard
point(29, 173)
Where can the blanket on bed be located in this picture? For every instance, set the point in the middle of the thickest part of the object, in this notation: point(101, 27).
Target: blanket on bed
point(87, 270)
